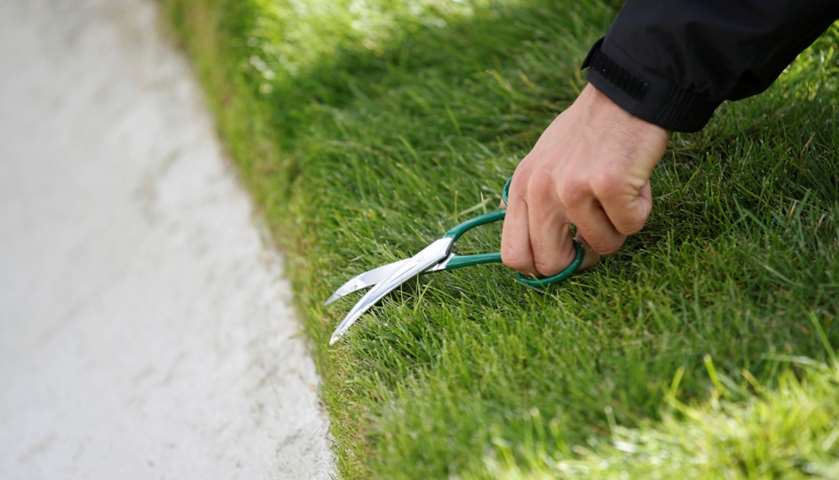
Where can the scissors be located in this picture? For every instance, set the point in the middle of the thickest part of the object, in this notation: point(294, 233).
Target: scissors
point(437, 256)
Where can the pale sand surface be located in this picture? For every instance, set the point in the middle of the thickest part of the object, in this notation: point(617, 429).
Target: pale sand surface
point(145, 328)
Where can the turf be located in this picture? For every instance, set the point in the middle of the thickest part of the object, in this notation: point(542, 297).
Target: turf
point(367, 128)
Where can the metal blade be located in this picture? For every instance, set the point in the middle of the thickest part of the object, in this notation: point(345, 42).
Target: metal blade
point(428, 257)
point(364, 280)
point(374, 276)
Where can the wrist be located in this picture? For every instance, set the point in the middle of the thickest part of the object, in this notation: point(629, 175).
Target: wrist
point(604, 116)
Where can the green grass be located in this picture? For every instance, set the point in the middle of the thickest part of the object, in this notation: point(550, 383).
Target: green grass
point(365, 129)
point(790, 432)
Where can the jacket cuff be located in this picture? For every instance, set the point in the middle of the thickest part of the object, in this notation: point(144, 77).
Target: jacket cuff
point(646, 95)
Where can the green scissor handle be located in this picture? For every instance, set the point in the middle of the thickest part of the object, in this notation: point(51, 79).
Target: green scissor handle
point(458, 261)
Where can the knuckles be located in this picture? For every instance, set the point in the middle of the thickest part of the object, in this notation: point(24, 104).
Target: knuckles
point(573, 192)
point(607, 185)
point(611, 188)
point(540, 188)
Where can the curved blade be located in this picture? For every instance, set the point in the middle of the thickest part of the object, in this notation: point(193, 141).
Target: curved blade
point(374, 276)
point(364, 280)
point(411, 267)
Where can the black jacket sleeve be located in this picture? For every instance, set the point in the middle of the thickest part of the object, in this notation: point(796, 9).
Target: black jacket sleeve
point(672, 62)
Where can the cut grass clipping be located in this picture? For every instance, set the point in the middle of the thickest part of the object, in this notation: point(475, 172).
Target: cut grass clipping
point(365, 128)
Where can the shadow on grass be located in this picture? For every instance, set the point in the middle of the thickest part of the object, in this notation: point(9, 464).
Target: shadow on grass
point(365, 155)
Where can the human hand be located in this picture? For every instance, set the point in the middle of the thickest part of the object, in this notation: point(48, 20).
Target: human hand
point(590, 168)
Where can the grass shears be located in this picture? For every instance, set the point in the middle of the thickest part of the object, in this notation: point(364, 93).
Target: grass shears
point(437, 256)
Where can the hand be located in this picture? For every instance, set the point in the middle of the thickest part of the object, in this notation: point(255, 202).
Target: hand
point(590, 168)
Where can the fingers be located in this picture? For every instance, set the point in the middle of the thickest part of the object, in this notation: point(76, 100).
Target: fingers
point(594, 225)
point(551, 245)
point(583, 209)
point(626, 207)
point(515, 236)
point(536, 238)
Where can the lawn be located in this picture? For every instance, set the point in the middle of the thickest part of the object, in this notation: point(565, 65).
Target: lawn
point(365, 129)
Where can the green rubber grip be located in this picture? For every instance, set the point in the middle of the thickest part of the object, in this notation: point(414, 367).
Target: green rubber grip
point(459, 261)
point(464, 227)
point(539, 282)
